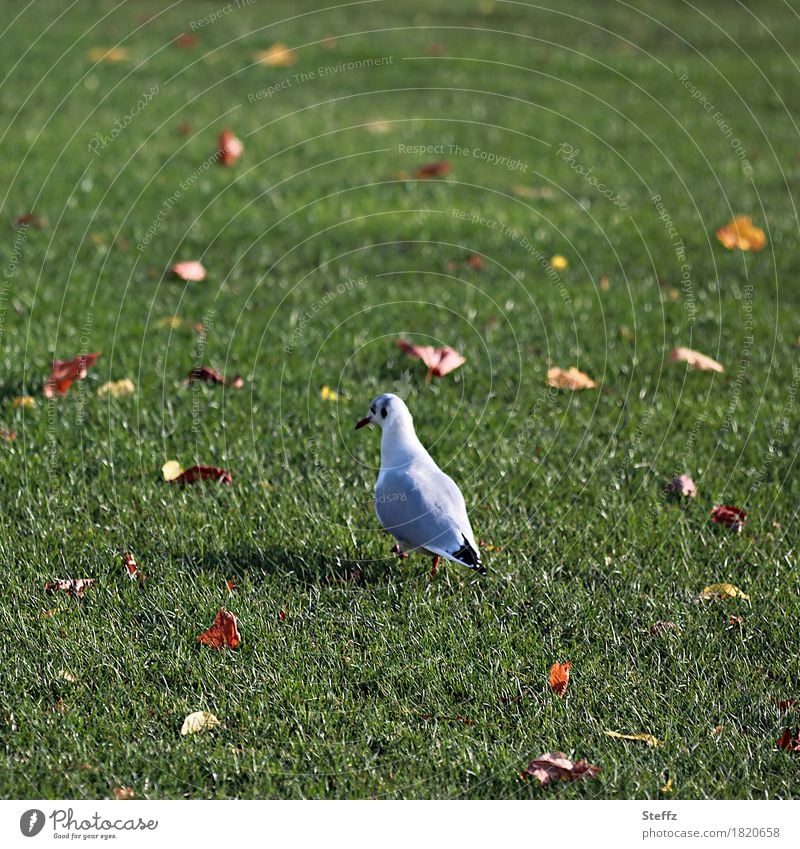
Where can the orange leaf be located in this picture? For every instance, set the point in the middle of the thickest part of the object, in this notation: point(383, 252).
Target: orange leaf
point(440, 361)
point(741, 234)
point(695, 359)
point(190, 270)
point(224, 631)
point(556, 766)
point(432, 169)
point(789, 742)
point(124, 793)
point(277, 56)
point(730, 516)
point(559, 677)
point(65, 372)
point(229, 148)
point(210, 375)
point(570, 379)
point(202, 473)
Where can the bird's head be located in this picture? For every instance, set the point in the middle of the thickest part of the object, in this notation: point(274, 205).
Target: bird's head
point(386, 411)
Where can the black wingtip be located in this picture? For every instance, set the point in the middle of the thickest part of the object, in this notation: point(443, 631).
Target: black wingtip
point(469, 557)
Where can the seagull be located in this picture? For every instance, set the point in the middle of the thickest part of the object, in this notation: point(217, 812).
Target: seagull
point(420, 506)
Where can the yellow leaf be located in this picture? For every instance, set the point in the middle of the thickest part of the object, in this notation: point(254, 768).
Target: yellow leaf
point(695, 359)
point(117, 388)
point(327, 394)
point(741, 234)
point(720, 592)
point(171, 470)
point(559, 262)
point(201, 720)
point(108, 54)
point(570, 379)
point(643, 738)
point(278, 56)
point(171, 321)
point(667, 788)
point(24, 401)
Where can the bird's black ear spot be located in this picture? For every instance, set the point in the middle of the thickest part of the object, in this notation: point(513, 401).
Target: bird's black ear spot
point(372, 409)
point(383, 412)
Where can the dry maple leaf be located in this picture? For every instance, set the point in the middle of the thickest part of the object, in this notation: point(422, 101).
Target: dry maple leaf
point(132, 567)
point(641, 738)
point(741, 234)
point(223, 633)
point(730, 516)
point(189, 270)
point(682, 485)
point(65, 372)
point(210, 375)
point(440, 361)
point(721, 592)
point(71, 586)
point(788, 741)
point(117, 388)
point(277, 56)
point(229, 148)
point(200, 473)
point(570, 379)
point(432, 169)
point(200, 720)
point(124, 793)
point(695, 359)
point(556, 766)
point(559, 677)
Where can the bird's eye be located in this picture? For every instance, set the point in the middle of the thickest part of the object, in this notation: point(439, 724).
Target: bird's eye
point(372, 409)
point(383, 412)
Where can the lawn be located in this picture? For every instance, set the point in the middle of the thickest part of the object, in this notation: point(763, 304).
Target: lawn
point(358, 675)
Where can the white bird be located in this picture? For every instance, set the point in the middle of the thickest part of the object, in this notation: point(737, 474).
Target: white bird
point(420, 506)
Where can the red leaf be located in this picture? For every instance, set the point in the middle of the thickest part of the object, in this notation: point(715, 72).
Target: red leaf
point(789, 742)
point(189, 270)
point(29, 219)
point(65, 372)
point(432, 169)
point(210, 375)
point(186, 40)
point(732, 517)
point(556, 766)
point(475, 261)
point(559, 677)
point(71, 586)
point(223, 633)
point(203, 473)
point(786, 704)
point(440, 361)
point(132, 567)
point(282, 615)
point(229, 149)
point(232, 585)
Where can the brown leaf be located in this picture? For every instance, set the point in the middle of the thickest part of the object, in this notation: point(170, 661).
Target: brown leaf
point(124, 793)
point(210, 375)
point(475, 261)
point(29, 219)
point(60, 706)
point(75, 587)
point(660, 627)
point(695, 359)
point(223, 633)
point(788, 741)
point(786, 704)
point(682, 485)
point(559, 677)
point(186, 40)
point(741, 234)
point(7, 435)
point(432, 169)
point(65, 372)
point(282, 615)
point(732, 517)
point(232, 585)
point(570, 379)
point(440, 361)
point(721, 592)
point(277, 56)
point(132, 567)
point(229, 148)
point(556, 766)
point(189, 270)
point(202, 473)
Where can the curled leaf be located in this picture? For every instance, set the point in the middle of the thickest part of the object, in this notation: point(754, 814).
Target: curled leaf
point(189, 270)
point(432, 169)
point(742, 235)
point(124, 793)
point(695, 359)
point(7, 435)
point(559, 677)
point(642, 738)
point(789, 741)
point(200, 720)
point(440, 361)
point(229, 148)
point(132, 567)
point(682, 485)
point(65, 372)
point(71, 586)
point(721, 592)
point(556, 766)
point(730, 516)
point(210, 375)
point(277, 56)
point(570, 379)
point(200, 473)
point(117, 388)
point(224, 632)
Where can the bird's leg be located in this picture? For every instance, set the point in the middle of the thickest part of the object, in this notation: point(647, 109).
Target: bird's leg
point(398, 551)
point(435, 567)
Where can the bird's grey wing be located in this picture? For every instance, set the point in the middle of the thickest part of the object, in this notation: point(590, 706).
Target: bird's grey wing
point(424, 507)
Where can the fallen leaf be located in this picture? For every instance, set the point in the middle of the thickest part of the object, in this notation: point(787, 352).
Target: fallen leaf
point(432, 169)
point(7, 435)
point(132, 567)
point(604, 283)
point(327, 394)
point(435, 50)
point(329, 42)
point(229, 148)
point(224, 631)
point(559, 262)
point(695, 359)
point(24, 401)
point(117, 388)
point(124, 793)
point(201, 720)
point(171, 470)
point(788, 741)
point(29, 219)
point(489, 546)
point(184, 128)
point(730, 516)
point(199, 473)
point(440, 361)
point(786, 704)
point(475, 261)
point(556, 766)
point(682, 485)
point(736, 621)
point(175, 322)
point(559, 677)
point(660, 627)
point(378, 127)
point(232, 585)
point(570, 379)
point(741, 234)
point(642, 738)
point(210, 375)
point(65, 372)
point(108, 54)
point(60, 706)
point(277, 56)
point(189, 270)
point(71, 586)
point(667, 788)
point(66, 675)
point(186, 40)
point(721, 592)
point(282, 615)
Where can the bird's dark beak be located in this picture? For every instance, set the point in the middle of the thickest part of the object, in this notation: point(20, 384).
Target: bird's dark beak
point(364, 422)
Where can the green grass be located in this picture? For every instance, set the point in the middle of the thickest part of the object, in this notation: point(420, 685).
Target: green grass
point(330, 702)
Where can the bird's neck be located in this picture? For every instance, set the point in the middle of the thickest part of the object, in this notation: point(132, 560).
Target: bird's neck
point(400, 445)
